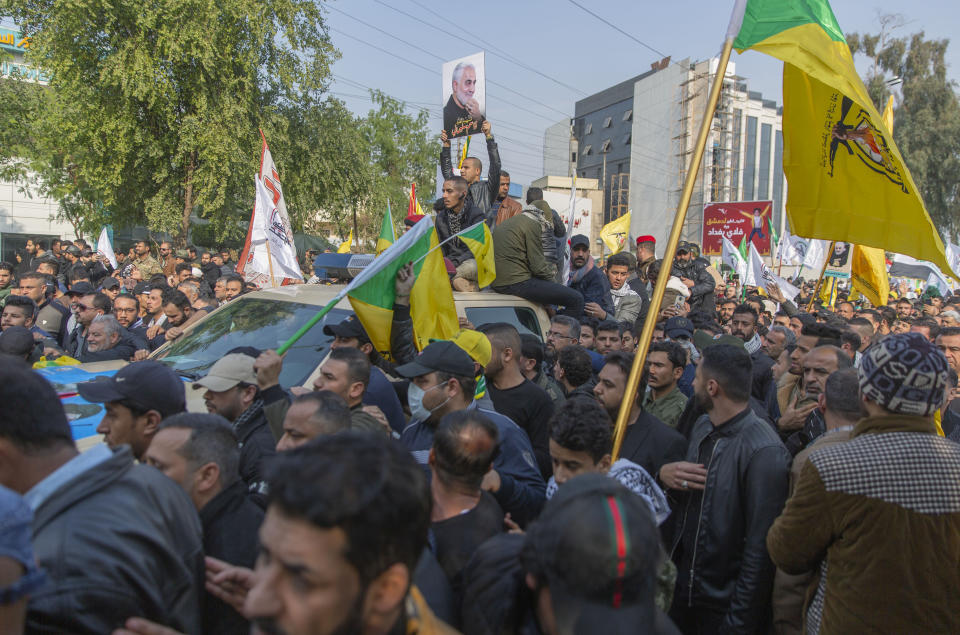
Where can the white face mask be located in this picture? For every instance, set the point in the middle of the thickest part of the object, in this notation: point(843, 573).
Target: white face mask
point(418, 411)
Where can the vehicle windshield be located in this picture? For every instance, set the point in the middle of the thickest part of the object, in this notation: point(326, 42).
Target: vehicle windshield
point(262, 324)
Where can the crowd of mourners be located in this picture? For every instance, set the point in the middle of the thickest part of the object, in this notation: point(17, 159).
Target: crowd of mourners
point(786, 467)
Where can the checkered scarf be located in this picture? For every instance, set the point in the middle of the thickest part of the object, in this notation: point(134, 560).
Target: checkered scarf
point(905, 373)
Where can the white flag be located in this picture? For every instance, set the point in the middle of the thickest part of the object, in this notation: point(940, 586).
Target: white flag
point(815, 255)
point(953, 257)
point(270, 179)
point(732, 258)
point(760, 275)
point(571, 219)
point(272, 252)
point(105, 249)
point(791, 250)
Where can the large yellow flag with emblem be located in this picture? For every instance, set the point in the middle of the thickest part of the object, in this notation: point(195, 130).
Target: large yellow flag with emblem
point(614, 234)
point(847, 180)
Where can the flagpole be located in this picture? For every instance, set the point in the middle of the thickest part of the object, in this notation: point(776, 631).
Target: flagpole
point(270, 262)
point(823, 271)
point(646, 335)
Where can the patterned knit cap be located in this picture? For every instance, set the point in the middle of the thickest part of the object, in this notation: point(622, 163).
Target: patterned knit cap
point(905, 374)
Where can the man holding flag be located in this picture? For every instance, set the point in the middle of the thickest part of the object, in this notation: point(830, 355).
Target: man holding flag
point(456, 212)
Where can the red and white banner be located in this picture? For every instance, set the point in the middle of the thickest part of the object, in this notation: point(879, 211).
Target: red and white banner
point(269, 263)
point(734, 221)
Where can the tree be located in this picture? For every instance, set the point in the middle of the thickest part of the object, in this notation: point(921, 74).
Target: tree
point(402, 151)
point(927, 116)
point(154, 108)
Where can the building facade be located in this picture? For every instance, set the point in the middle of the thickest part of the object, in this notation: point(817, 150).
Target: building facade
point(636, 138)
point(23, 213)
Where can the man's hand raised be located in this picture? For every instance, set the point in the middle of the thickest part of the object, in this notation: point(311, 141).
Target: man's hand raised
point(486, 127)
point(444, 140)
point(267, 367)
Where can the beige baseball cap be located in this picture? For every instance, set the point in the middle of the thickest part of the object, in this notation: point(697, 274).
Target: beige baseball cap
point(229, 371)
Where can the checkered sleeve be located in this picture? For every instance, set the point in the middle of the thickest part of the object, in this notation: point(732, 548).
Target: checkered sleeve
point(798, 540)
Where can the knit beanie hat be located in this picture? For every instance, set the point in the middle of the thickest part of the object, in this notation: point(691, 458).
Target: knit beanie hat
point(905, 373)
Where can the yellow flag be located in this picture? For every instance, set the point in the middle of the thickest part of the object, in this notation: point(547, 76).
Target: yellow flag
point(888, 114)
point(432, 310)
point(347, 244)
point(828, 291)
point(868, 274)
point(847, 178)
point(614, 234)
point(479, 241)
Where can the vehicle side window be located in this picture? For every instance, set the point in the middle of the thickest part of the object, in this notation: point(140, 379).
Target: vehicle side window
point(522, 317)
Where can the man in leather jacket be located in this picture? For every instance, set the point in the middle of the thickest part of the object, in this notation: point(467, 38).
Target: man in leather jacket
point(729, 491)
point(481, 193)
point(695, 276)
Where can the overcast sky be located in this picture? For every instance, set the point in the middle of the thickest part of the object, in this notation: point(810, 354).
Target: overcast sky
point(547, 54)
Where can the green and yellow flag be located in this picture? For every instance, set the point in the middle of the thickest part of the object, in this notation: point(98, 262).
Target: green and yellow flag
point(479, 240)
point(372, 292)
point(388, 232)
point(847, 179)
point(431, 300)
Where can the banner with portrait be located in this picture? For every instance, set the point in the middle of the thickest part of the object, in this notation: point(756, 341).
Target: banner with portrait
point(736, 221)
point(464, 95)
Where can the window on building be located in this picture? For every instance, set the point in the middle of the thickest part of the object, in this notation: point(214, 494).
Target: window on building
point(573, 157)
point(606, 146)
point(587, 150)
point(750, 159)
point(628, 116)
point(588, 129)
point(627, 138)
point(607, 122)
point(763, 166)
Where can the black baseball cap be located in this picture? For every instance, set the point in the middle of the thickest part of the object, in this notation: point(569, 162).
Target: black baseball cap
point(444, 356)
point(350, 327)
point(148, 384)
point(597, 548)
point(81, 288)
point(683, 246)
point(677, 327)
point(109, 283)
point(141, 288)
point(579, 239)
point(16, 340)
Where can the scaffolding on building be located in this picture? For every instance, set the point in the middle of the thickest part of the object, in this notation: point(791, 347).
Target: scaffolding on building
point(718, 176)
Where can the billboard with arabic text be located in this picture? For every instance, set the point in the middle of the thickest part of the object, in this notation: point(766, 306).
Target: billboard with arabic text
point(736, 220)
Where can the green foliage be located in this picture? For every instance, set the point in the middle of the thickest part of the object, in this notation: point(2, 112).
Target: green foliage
point(152, 116)
point(927, 116)
point(155, 107)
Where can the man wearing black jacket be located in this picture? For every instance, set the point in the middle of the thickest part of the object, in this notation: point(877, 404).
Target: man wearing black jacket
point(482, 193)
point(199, 452)
point(456, 212)
point(732, 486)
point(695, 276)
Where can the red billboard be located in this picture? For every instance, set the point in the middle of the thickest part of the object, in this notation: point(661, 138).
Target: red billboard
point(736, 220)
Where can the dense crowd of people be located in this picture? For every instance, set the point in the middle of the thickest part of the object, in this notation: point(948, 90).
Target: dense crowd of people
point(784, 469)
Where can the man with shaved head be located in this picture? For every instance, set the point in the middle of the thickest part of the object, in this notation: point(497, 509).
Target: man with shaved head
point(463, 516)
